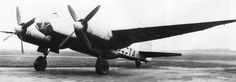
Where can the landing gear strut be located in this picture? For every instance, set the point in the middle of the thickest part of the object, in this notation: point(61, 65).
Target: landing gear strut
point(138, 63)
point(40, 62)
point(102, 66)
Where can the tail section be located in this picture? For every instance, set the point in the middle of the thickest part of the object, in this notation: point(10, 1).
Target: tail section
point(132, 54)
point(143, 56)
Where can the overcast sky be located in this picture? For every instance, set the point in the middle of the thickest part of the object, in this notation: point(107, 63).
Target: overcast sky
point(125, 14)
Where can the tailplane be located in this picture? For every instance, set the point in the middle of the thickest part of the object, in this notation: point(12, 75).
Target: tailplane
point(158, 54)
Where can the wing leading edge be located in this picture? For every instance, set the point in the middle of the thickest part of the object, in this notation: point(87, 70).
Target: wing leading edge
point(123, 38)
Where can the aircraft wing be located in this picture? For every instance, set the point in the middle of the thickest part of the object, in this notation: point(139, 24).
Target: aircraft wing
point(123, 38)
point(158, 54)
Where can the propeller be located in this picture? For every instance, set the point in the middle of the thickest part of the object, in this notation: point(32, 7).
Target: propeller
point(24, 27)
point(77, 25)
point(21, 28)
point(21, 31)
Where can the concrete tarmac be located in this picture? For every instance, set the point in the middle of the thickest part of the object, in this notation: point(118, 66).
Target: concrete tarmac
point(196, 68)
point(118, 74)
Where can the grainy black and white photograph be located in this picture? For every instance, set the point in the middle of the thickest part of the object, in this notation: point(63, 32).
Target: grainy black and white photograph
point(118, 41)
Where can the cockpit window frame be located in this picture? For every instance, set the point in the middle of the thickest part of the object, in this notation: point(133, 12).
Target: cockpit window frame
point(44, 27)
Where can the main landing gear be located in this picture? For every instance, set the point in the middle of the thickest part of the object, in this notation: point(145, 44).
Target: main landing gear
point(40, 63)
point(102, 66)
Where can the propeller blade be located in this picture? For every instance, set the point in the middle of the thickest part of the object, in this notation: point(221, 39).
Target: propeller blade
point(21, 42)
point(28, 23)
point(18, 16)
point(7, 37)
point(72, 13)
point(91, 14)
point(67, 38)
point(78, 33)
point(86, 40)
point(8, 32)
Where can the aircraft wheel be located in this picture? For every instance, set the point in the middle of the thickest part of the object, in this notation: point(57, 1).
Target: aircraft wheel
point(40, 63)
point(102, 66)
point(138, 64)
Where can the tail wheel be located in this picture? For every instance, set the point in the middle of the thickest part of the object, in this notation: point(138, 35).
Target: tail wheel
point(102, 66)
point(138, 64)
point(40, 63)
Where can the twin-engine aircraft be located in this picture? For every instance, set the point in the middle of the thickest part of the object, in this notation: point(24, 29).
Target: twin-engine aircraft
point(114, 44)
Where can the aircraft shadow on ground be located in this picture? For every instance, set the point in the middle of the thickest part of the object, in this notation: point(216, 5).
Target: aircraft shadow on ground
point(189, 64)
point(83, 72)
point(185, 64)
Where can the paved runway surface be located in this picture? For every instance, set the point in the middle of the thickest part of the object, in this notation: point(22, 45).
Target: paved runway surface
point(196, 68)
point(120, 74)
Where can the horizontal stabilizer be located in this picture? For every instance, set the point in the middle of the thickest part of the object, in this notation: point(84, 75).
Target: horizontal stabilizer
point(158, 54)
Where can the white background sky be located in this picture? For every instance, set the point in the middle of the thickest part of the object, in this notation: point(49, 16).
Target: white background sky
point(125, 14)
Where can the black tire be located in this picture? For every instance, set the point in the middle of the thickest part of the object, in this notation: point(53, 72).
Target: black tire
point(138, 64)
point(40, 63)
point(102, 66)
